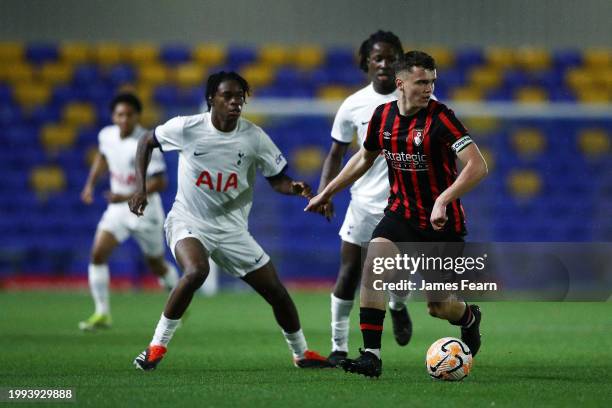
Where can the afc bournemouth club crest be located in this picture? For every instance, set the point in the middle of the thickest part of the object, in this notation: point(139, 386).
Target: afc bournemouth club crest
point(417, 136)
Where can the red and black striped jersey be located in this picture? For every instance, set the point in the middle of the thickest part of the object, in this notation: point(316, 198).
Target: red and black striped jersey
point(420, 151)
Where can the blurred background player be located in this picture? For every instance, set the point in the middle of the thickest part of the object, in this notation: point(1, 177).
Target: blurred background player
point(219, 153)
point(420, 139)
point(369, 194)
point(117, 150)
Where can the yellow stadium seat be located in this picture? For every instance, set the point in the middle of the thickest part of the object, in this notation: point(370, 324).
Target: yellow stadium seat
point(578, 78)
point(191, 74)
point(593, 94)
point(154, 74)
point(46, 180)
point(209, 54)
point(274, 55)
point(308, 160)
point(530, 95)
point(524, 184)
point(261, 120)
point(443, 56)
point(75, 53)
point(79, 114)
point(308, 56)
point(597, 57)
point(482, 124)
point(90, 155)
point(594, 142)
point(16, 73)
point(334, 92)
point(500, 57)
point(29, 95)
point(11, 52)
point(258, 75)
point(143, 53)
point(54, 73)
point(489, 158)
point(466, 94)
point(108, 53)
point(151, 116)
point(533, 59)
point(57, 137)
point(528, 141)
point(485, 78)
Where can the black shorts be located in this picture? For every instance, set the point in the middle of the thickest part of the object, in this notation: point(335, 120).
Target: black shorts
point(396, 228)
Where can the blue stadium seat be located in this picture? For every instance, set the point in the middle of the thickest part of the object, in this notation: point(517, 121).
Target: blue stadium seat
point(39, 53)
point(121, 74)
point(239, 56)
point(567, 58)
point(43, 115)
point(10, 115)
point(336, 58)
point(166, 95)
point(85, 75)
point(175, 54)
point(65, 94)
point(469, 57)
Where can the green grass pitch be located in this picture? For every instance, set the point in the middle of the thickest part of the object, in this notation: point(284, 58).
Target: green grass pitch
point(230, 353)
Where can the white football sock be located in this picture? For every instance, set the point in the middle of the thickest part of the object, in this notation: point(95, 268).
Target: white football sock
point(376, 352)
point(397, 302)
point(170, 279)
point(340, 312)
point(164, 331)
point(99, 279)
point(296, 342)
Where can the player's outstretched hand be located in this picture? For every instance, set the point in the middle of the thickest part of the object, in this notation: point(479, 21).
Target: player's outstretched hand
point(87, 195)
point(438, 216)
point(317, 203)
point(301, 188)
point(138, 203)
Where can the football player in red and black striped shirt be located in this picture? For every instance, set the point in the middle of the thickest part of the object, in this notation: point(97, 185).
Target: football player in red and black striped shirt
point(420, 139)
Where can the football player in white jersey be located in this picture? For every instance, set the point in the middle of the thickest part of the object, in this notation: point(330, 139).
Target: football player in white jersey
point(369, 194)
point(117, 149)
point(219, 153)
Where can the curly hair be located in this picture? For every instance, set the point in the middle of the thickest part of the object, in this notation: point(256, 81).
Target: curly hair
point(379, 36)
point(213, 82)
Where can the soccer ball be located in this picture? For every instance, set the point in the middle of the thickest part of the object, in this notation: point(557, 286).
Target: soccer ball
point(448, 359)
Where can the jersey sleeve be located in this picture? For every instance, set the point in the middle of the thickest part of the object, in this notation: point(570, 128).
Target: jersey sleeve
point(344, 128)
point(170, 135)
point(372, 139)
point(157, 164)
point(453, 131)
point(270, 160)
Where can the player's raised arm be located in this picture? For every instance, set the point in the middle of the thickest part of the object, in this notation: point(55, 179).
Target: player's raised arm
point(331, 168)
point(354, 169)
point(474, 170)
point(284, 184)
point(99, 167)
point(146, 144)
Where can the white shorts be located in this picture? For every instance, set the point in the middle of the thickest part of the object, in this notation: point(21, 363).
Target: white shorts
point(236, 252)
point(148, 230)
point(359, 223)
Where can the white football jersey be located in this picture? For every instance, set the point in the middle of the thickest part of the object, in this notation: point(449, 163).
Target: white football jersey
point(216, 170)
point(353, 116)
point(120, 155)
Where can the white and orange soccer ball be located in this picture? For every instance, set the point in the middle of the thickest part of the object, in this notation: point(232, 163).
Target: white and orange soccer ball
point(448, 359)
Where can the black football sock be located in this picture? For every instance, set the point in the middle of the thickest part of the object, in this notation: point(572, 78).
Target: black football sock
point(467, 319)
point(371, 323)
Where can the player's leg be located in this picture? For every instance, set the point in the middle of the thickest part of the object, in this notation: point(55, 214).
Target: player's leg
point(99, 280)
point(166, 272)
point(265, 281)
point(192, 258)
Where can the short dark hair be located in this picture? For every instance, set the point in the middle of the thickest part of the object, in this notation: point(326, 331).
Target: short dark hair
point(213, 82)
point(414, 59)
point(126, 97)
point(379, 36)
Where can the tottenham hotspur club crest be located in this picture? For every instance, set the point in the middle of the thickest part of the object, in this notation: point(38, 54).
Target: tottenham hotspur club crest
point(417, 136)
point(240, 156)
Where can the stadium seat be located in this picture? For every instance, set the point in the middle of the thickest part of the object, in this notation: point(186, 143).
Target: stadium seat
point(530, 95)
point(533, 59)
point(593, 94)
point(46, 180)
point(39, 53)
point(17, 73)
point(29, 95)
point(209, 54)
point(257, 74)
point(444, 57)
point(85, 75)
point(10, 114)
point(482, 124)
point(166, 95)
point(79, 115)
point(57, 137)
point(239, 56)
point(142, 53)
point(597, 57)
point(175, 54)
point(153, 74)
point(307, 57)
point(122, 74)
point(56, 73)
point(485, 78)
point(579, 78)
point(594, 143)
point(274, 55)
point(466, 94)
point(75, 53)
point(44, 114)
point(308, 160)
point(524, 184)
point(190, 74)
point(500, 57)
point(334, 92)
point(469, 57)
point(108, 53)
point(151, 116)
point(11, 52)
point(340, 57)
point(528, 142)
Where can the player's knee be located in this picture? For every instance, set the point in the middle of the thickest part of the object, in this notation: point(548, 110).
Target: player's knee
point(98, 257)
point(195, 275)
